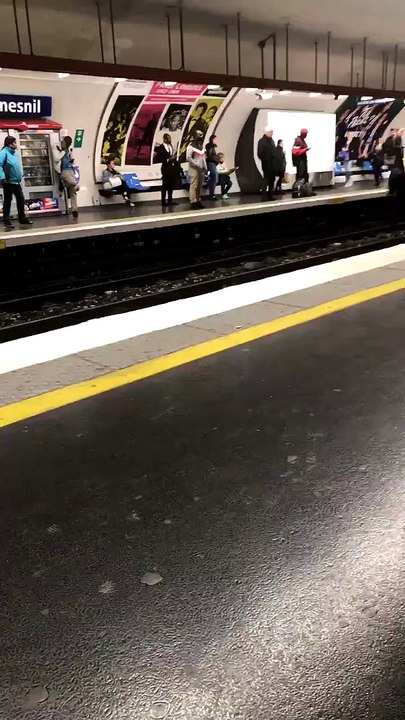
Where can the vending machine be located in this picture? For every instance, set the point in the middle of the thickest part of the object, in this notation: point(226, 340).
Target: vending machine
point(40, 183)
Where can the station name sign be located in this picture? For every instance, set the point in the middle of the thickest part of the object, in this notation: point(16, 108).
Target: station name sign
point(25, 106)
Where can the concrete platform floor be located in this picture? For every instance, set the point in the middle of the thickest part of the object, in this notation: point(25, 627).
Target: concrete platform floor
point(263, 488)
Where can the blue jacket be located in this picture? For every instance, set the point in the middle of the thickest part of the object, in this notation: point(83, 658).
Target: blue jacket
point(10, 166)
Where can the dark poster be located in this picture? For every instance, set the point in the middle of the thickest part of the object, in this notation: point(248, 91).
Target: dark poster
point(118, 125)
point(362, 123)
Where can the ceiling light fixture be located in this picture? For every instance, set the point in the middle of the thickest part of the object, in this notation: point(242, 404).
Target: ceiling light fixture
point(170, 83)
point(285, 92)
point(267, 95)
point(367, 97)
point(63, 75)
point(314, 94)
point(118, 80)
point(341, 97)
point(213, 87)
point(251, 90)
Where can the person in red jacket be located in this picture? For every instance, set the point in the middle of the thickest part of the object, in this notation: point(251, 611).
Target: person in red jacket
point(299, 155)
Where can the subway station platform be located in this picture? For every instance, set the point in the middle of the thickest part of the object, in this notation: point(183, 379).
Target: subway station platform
point(208, 522)
point(118, 218)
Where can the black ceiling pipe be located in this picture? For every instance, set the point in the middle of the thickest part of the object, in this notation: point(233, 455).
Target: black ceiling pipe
point(17, 30)
point(100, 31)
point(27, 15)
point(328, 58)
point(169, 39)
point(287, 48)
point(114, 47)
point(394, 77)
point(364, 60)
point(239, 45)
point(226, 31)
point(316, 45)
point(351, 65)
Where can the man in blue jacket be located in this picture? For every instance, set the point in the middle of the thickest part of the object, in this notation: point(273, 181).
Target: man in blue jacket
point(10, 178)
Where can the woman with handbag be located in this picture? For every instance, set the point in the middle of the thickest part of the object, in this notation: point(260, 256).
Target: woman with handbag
point(166, 155)
point(114, 182)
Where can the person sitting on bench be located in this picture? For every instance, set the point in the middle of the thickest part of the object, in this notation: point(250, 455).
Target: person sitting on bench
point(114, 182)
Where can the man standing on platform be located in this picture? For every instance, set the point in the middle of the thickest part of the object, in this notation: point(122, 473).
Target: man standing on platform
point(11, 176)
point(299, 155)
point(266, 152)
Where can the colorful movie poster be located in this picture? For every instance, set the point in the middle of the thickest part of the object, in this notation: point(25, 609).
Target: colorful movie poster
point(202, 116)
point(172, 123)
point(361, 123)
point(141, 139)
point(118, 125)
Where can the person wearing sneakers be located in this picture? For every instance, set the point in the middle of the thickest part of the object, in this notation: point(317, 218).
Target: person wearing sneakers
point(114, 182)
point(197, 167)
point(10, 178)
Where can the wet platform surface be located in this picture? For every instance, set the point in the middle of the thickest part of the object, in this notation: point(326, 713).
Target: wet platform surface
point(265, 486)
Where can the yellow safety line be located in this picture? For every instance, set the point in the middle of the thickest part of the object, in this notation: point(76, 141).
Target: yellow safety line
point(54, 399)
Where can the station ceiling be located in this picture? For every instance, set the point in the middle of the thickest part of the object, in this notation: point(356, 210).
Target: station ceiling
point(381, 22)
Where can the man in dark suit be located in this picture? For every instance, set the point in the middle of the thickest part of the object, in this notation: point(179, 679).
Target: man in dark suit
point(266, 152)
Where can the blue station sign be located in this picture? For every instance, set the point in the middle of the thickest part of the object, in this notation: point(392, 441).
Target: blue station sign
point(25, 106)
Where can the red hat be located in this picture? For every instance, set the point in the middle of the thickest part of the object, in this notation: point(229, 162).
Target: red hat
point(304, 131)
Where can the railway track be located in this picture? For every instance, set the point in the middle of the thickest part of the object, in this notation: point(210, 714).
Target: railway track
point(48, 308)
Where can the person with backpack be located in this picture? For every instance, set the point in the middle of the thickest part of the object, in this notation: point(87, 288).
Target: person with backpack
point(11, 175)
point(64, 167)
point(212, 162)
point(299, 155)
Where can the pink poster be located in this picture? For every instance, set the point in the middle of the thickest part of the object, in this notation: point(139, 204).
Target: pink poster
point(179, 92)
point(140, 143)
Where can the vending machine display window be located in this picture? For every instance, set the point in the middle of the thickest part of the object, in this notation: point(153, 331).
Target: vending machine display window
point(36, 160)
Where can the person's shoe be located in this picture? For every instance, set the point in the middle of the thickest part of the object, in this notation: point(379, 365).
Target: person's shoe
point(213, 197)
point(75, 214)
point(225, 196)
point(172, 202)
point(131, 204)
point(8, 226)
point(26, 222)
point(195, 206)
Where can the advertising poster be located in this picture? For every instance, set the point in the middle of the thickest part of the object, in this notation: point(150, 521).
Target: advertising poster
point(172, 123)
point(362, 123)
point(179, 92)
point(201, 117)
point(118, 125)
point(140, 142)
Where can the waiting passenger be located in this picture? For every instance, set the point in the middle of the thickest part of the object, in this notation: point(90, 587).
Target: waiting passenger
point(344, 157)
point(266, 152)
point(224, 176)
point(377, 161)
point(212, 162)
point(11, 175)
point(299, 155)
point(197, 167)
point(166, 155)
point(64, 166)
point(114, 182)
point(281, 164)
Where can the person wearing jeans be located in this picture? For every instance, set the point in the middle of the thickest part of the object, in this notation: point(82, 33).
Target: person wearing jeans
point(197, 167)
point(64, 164)
point(10, 178)
point(212, 162)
